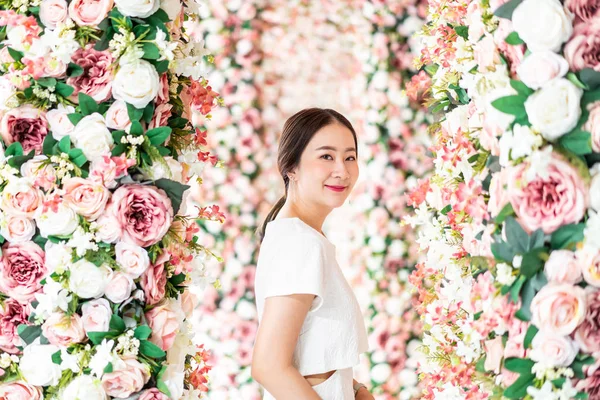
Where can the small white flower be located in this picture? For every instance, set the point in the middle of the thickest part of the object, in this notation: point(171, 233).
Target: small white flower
point(504, 274)
point(165, 47)
point(517, 260)
point(103, 356)
point(545, 393)
point(82, 241)
point(538, 164)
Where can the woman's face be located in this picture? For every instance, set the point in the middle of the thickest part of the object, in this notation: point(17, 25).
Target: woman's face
point(328, 167)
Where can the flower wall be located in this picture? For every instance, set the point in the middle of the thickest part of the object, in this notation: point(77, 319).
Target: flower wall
point(508, 290)
point(102, 113)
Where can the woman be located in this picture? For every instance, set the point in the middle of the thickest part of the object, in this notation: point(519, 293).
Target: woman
point(311, 330)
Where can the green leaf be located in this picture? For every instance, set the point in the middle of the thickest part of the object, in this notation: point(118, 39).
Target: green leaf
point(506, 211)
point(102, 44)
point(142, 332)
point(87, 105)
point(174, 190)
point(512, 105)
point(518, 390)
point(151, 350)
point(158, 135)
point(108, 369)
point(527, 294)
point(480, 366)
point(462, 31)
point(17, 161)
point(29, 332)
point(503, 251)
point(74, 70)
point(75, 118)
point(160, 15)
point(519, 365)
point(77, 157)
point(567, 235)
point(65, 144)
point(521, 88)
point(506, 10)
point(56, 358)
point(514, 39)
point(577, 141)
point(64, 90)
point(178, 122)
point(151, 51)
point(531, 332)
point(516, 235)
point(532, 262)
point(15, 149)
point(516, 288)
point(46, 82)
point(48, 144)
point(136, 128)
point(536, 240)
point(161, 66)
point(446, 209)
point(117, 324)
point(148, 112)
point(97, 337)
point(160, 383)
point(135, 114)
point(164, 151)
point(118, 150)
point(177, 279)
point(575, 81)
point(15, 54)
point(578, 365)
point(590, 78)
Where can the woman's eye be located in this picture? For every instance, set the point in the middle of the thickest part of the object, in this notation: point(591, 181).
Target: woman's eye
point(326, 155)
point(352, 158)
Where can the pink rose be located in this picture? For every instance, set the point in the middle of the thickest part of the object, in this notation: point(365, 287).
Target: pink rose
point(21, 198)
point(26, 125)
point(63, 330)
point(89, 12)
point(53, 12)
point(189, 302)
point(163, 90)
point(17, 229)
point(584, 9)
point(498, 194)
point(86, 197)
point(133, 260)
point(591, 384)
point(494, 350)
point(21, 270)
point(161, 116)
point(588, 333)
point(96, 80)
point(590, 266)
point(513, 53)
point(548, 202)
point(563, 266)
point(12, 314)
point(43, 176)
point(153, 394)
point(95, 315)
point(20, 390)
point(59, 122)
point(143, 212)
point(154, 280)
point(117, 116)
point(558, 308)
point(583, 49)
point(592, 125)
point(119, 287)
point(54, 67)
point(127, 378)
point(165, 324)
point(106, 169)
point(541, 67)
point(553, 350)
point(109, 230)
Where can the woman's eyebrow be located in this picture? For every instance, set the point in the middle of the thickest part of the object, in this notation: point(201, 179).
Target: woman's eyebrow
point(334, 148)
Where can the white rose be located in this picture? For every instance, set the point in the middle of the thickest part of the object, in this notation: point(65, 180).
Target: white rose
point(87, 280)
point(58, 256)
point(59, 122)
point(132, 259)
point(7, 94)
point(17, 229)
point(137, 8)
point(542, 24)
point(95, 315)
point(554, 110)
point(53, 12)
point(136, 83)
point(84, 387)
point(553, 350)
point(541, 67)
point(171, 7)
point(63, 222)
point(119, 287)
point(37, 367)
point(595, 191)
point(92, 136)
point(108, 230)
point(173, 170)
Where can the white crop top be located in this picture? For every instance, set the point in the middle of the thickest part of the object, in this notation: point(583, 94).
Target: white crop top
point(295, 258)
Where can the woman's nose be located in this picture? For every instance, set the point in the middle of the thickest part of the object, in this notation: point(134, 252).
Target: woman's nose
point(341, 171)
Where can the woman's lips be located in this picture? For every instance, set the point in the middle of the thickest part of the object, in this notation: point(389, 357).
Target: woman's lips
point(336, 188)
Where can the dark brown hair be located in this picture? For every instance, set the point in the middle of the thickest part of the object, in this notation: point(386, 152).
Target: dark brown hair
point(298, 130)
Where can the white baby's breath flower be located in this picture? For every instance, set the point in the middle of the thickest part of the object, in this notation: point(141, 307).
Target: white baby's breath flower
point(82, 241)
point(165, 47)
point(504, 274)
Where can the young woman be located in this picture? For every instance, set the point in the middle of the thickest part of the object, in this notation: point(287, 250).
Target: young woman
point(311, 330)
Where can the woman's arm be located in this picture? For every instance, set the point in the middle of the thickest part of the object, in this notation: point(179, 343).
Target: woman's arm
point(276, 340)
point(362, 394)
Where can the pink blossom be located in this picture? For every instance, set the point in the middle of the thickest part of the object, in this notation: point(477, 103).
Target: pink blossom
point(21, 270)
point(96, 80)
point(26, 125)
point(154, 280)
point(12, 314)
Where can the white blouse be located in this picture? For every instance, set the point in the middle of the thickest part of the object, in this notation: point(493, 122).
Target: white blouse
point(295, 258)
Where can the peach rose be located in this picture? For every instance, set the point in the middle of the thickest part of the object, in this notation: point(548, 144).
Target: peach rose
point(95, 315)
point(86, 197)
point(592, 125)
point(17, 229)
point(119, 287)
point(21, 198)
point(588, 333)
point(590, 266)
point(20, 390)
point(559, 308)
point(133, 260)
point(553, 350)
point(165, 324)
point(43, 176)
point(63, 330)
point(583, 49)
point(563, 266)
point(60, 125)
point(53, 12)
point(494, 350)
point(89, 12)
point(154, 280)
point(153, 394)
point(127, 378)
point(117, 116)
point(189, 302)
point(498, 194)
